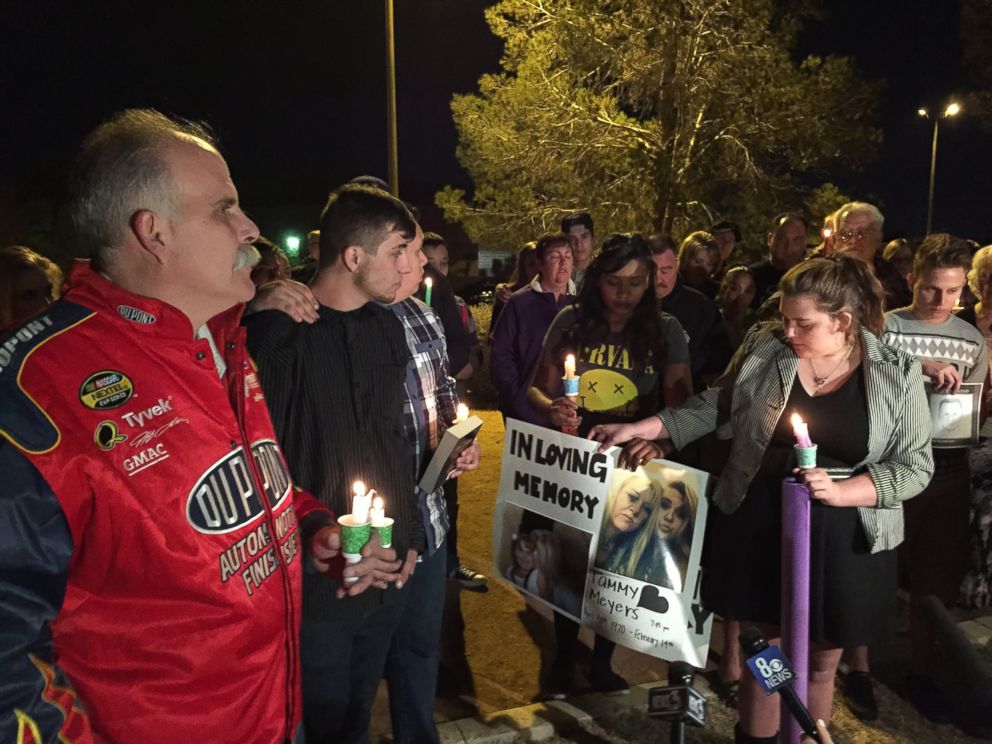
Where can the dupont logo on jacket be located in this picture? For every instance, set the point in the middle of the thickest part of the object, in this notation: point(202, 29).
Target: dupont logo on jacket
point(224, 500)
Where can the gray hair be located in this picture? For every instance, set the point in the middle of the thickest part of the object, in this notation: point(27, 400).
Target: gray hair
point(860, 208)
point(121, 169)
point(981, 265)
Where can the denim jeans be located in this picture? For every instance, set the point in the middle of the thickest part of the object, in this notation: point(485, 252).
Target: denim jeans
point(412, 664)
point(342, 664)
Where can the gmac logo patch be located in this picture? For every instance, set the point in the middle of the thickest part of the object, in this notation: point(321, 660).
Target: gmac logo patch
point(107, 436)
point(106, 389)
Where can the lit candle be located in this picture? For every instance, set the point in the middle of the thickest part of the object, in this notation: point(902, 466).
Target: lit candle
point(360, 503)
point(461, 413)
point(429, 283)
point(570, 381)
point(801, 430)
point(570, 366)
point(378, 512)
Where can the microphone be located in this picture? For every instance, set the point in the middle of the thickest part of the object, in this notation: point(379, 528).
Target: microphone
point(774, 674)
point(678, 702)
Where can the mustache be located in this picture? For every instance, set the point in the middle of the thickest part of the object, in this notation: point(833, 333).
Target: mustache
point(247, 257)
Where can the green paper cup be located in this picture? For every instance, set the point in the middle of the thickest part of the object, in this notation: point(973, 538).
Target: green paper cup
point(806, 456)
point(353, 539)
point(385, 531)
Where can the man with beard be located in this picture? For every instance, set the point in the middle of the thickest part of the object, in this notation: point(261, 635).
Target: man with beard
point(150, 536)
point(336, 391)
point(519, 335)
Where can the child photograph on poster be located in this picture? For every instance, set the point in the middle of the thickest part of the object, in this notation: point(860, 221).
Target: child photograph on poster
point(545, 558)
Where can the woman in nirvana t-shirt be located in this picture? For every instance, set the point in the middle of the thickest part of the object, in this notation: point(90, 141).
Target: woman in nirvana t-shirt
point(630, 358)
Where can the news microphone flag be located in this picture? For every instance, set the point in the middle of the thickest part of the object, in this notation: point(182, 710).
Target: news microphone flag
point(772, 670)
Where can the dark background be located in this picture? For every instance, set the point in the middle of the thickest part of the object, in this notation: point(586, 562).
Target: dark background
point(296, 92)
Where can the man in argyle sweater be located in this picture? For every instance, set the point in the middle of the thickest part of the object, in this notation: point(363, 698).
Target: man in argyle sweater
point(934, 556)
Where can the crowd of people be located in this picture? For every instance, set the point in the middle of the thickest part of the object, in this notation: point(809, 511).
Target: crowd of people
point(185, 418)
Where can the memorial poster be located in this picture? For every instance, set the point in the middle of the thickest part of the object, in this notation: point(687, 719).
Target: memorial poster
point(614, 549)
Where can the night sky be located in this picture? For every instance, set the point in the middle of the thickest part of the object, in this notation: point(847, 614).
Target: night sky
point(296, 92)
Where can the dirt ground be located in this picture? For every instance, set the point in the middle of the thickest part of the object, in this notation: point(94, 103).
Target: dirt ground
point(495, 647)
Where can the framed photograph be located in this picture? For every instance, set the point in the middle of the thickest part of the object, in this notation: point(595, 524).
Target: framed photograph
point(955, 416)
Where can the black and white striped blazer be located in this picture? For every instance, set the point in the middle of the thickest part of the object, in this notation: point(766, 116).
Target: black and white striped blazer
point(752, 395)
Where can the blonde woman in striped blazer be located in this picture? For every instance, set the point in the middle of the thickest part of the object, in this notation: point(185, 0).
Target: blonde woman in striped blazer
point(867, 412)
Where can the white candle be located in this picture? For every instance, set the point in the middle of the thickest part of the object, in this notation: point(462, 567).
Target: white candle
point(801, 430)
point(570, 366)
point(378, 512)
point(360, 503)
point(461, 413)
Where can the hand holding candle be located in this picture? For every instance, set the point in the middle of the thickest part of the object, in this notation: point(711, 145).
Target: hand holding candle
point(805, 449)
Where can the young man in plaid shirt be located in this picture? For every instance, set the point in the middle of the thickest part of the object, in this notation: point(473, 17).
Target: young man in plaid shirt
point(429, 408)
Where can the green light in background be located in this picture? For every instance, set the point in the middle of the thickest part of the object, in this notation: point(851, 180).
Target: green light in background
point(292, 243)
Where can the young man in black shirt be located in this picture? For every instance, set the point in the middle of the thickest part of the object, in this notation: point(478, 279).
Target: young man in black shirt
point(336, 392)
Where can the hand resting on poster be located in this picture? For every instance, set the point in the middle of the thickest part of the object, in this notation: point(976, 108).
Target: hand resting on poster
point(642, 451)
point(609, 435)
point(945, 377)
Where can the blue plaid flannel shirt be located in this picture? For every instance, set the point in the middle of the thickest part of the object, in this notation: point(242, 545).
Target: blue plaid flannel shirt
point(429, 408)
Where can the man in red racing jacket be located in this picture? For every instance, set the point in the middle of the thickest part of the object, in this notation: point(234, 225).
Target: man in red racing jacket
point(151, 542)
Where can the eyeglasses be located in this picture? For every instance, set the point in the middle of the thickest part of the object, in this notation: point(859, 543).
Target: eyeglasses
point(849, 236)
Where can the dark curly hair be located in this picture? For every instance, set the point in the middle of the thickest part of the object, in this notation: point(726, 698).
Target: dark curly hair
point(642, 335)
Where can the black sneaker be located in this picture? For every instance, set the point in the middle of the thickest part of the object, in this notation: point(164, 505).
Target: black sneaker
point(467, 577)
point(609, 682)
point(859, 692)
point(927, 698)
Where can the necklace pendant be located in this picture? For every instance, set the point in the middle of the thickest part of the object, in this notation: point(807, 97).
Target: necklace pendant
point(819, 381)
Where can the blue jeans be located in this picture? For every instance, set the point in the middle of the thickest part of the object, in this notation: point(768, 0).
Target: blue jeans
point(342, 662)
point(412, 664)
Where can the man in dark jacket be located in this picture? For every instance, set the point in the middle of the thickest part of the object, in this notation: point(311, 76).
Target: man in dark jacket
point(519, 335)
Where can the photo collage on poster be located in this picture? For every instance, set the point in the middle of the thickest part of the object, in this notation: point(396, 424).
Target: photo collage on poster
point(614, 549)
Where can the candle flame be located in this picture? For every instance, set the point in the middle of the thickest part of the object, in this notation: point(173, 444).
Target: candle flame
point(358, 488)
point(378, 503)
point(570, 360)
point(429, 282)
point(461, 413)
point(796, 420)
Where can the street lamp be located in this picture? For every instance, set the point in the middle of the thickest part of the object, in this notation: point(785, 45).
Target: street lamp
point(952, 109)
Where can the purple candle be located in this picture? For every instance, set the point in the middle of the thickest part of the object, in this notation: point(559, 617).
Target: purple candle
point(795, 594)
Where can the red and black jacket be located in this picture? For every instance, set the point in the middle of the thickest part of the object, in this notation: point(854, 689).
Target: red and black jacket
point(150, 538)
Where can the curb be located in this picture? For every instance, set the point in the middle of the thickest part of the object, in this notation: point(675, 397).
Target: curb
point(542, 721)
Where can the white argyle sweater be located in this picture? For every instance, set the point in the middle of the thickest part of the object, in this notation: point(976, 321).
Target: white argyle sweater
point(954, 341)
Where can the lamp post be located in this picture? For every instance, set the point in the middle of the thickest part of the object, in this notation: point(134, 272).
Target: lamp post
point(952, 109)
point(392, 143)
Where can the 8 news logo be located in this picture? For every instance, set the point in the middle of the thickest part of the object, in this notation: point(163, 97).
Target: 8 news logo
point(771, 669)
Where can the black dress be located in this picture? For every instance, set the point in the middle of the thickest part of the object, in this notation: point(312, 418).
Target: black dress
point(852, 592)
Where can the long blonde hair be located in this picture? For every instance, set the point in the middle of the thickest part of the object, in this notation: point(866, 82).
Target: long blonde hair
point(681, 543)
